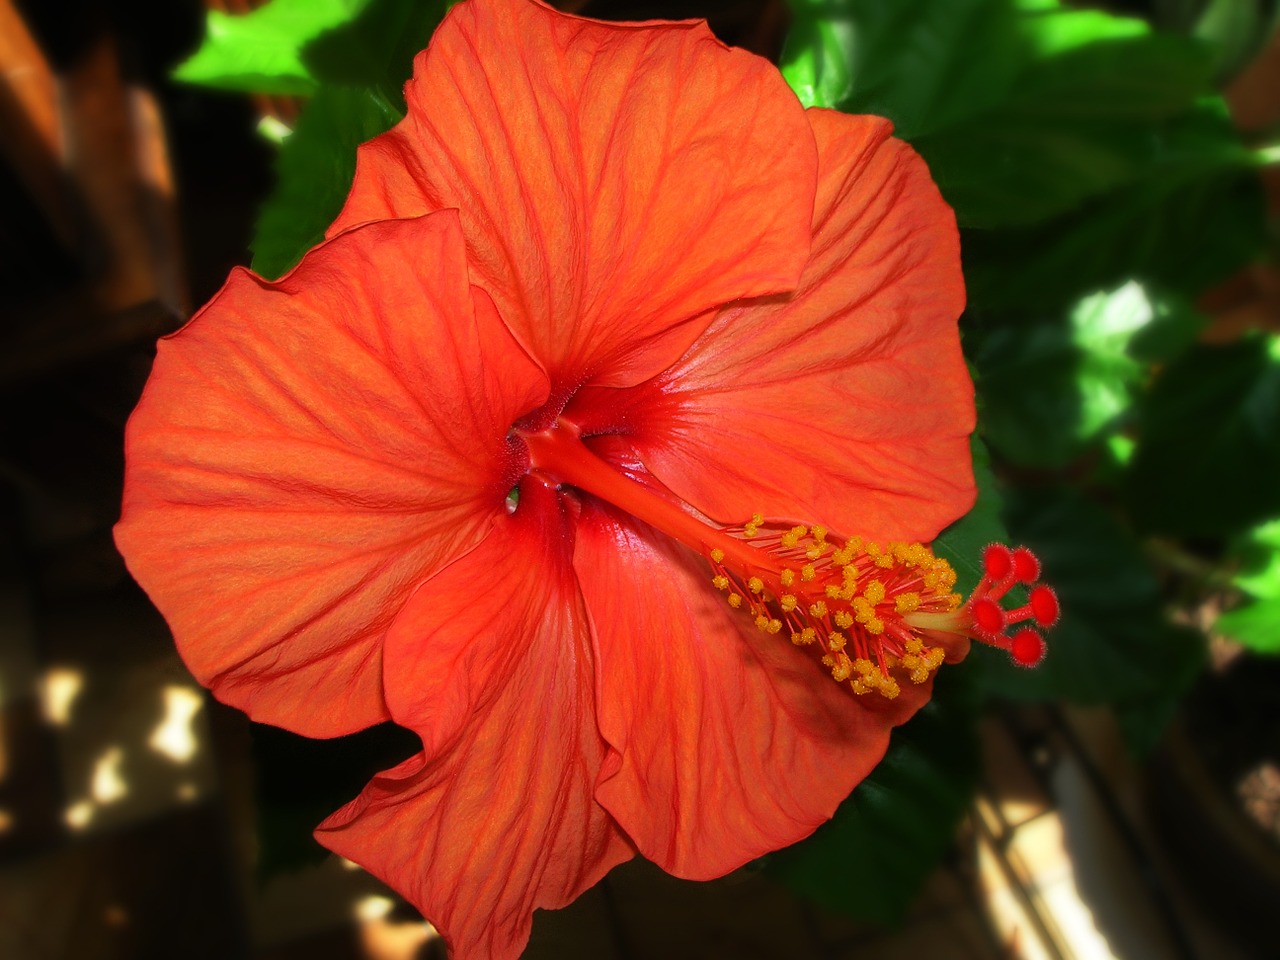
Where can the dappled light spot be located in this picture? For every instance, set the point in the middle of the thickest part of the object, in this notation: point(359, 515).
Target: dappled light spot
point(79, 814)
point(108, 785)
point(58, 692)
point(173, 737)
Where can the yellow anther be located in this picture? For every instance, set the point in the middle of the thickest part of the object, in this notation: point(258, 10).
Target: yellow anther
point(909, 662)
point(854, 544)
point(757, 519)
point(859, 687)
point(720, 582)
point(885, 560)
point(735, 600)
point(874, 625)
point(842, 557)
point(842, 668)
point(750, 530)
point(816, 550)
point(788, 602)
point(818, 609)
point(819, 532)
point(835, 641)
point(828, 661)
point(890, 689)
point(762, 622)
point(873, 592)
point(755, 585)
point(935, 657)
point(808, 635)
point(865, 666)
point(913, 645)
point(833, 592)
point(792, 537)
point(844, 619)
point(919, 675)
point(717, 555)
point(788, 577)
point(775, 626)
point(807, 572)
point(907, 602)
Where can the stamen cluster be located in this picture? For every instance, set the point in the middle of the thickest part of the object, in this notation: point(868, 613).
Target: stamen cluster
point(872, 613)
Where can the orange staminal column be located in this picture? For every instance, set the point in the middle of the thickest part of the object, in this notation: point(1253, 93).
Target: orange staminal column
point(873, 615)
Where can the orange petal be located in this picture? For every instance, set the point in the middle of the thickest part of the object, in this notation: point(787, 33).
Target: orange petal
point(848, 403)
point(614, 180)
point(725, 742)
point(491, 663)
point(306, 452)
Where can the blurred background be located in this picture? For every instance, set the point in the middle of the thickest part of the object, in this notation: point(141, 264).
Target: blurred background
point(1116, 172)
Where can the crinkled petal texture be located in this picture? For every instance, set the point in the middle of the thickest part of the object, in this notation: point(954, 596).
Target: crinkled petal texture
point(847, 403)
point(616, 182)
point(307, 452)
point(724, 742)
point(492, 664)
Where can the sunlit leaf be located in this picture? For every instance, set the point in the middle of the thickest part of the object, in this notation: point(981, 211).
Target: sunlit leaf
point(364, 66)
point(1023, 108)
point(261, 51)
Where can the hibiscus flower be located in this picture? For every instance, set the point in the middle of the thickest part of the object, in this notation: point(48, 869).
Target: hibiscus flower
point(482, 464)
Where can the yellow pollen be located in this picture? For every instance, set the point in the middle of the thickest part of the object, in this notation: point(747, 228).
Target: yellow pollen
point(844, 619)
point(775, 625)
point(762, 622)
point(750, 530)
point(819, 532)
point(755, 585)
point(788, 602)
point(913, 646)
point(717, 555)
point(842, 668)
point(833, 592)
point(788, 577)
point(757, 519)
point(873, 592)
point(818, 609)
point(720, 582)
point(807, 572)
point(816, 550)
point(874, 625)
point(907, 603)
point(835, 641)
point(735, 600)
point(865, 667)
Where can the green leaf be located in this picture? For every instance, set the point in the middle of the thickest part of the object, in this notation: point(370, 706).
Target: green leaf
point(871, 859)
point(1051, 388)
point(1202, 185)
point(1208, 453)
point(314, 172)
point(961, 544)
point(261, 51)
point(1113, 643)
point(1256, 625)
point(1256, 622)
point(364, 66)
point(1022, 108)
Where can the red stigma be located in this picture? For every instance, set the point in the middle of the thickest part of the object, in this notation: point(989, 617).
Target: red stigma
point(988, 616)
point(1026, 566)
point(1026, 648)
point(1044, 605)
point(997, 561)
point(1003, 569)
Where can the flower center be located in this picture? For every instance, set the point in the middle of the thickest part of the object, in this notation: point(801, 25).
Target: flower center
point(874, 615)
